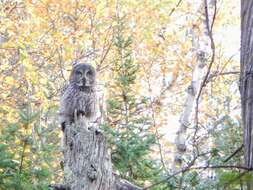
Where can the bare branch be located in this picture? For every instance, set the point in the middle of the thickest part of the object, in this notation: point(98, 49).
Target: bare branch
point(173, 10)
point(215, 75)
point(234, 153)
point(212, 58)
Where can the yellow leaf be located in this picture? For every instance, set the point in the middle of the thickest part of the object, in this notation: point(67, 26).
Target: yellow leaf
point(9, 80)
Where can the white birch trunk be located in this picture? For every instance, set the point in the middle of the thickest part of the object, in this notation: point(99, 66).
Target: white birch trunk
point(200, 49)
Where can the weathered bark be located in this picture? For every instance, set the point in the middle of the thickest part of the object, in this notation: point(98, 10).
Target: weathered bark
point(87, 162)
point(246, 78)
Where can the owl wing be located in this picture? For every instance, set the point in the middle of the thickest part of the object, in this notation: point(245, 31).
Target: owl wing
point(63, 117)
point(63, 89)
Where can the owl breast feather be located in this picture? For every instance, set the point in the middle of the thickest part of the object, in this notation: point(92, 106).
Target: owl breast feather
point(74, 99)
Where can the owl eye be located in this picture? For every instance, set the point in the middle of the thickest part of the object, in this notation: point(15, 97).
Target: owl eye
point(79, 73)
point(89, 73)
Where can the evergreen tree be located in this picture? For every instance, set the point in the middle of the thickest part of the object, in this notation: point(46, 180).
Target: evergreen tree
point(128, 123)
point(25, 154)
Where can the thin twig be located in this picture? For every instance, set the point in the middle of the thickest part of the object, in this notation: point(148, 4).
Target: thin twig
point(60, 61)
point(22, 156)
point(212, 59)
point(173, 10)
point(234, 153)
point(214, 15)
point(215, 75)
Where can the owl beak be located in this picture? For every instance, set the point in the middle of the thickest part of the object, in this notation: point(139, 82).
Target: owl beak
point(81, 83)
point(86, 82)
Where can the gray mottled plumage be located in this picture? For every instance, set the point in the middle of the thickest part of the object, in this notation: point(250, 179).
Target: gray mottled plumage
point(78, 97)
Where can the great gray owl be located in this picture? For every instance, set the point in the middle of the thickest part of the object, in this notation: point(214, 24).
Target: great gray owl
point(78, 97)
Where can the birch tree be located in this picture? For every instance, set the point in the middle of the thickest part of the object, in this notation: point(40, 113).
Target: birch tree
point(200, 47)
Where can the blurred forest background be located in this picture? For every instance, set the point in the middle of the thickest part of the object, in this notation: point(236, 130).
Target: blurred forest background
point(151, 59)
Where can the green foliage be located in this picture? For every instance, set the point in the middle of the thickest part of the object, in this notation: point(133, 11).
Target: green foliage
point(22, 162)
point(226, 138)
point(128, 124)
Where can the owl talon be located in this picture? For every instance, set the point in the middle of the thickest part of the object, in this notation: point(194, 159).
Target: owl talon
point(97, 131)
point(80, 113)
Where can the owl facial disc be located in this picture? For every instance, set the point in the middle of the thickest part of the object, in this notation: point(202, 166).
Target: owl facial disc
point(83, 76)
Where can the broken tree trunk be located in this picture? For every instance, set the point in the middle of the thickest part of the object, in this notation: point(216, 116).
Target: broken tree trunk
point(87, 162)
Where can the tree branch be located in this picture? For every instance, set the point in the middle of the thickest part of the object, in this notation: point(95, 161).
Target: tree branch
point(210, 35)
point(199, 168)
point(234, 153)
point(173, 10)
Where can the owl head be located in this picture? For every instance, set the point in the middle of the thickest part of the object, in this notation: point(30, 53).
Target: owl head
point(83, 76)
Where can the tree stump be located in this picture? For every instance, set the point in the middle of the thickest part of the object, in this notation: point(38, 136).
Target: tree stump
point(87, 161)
